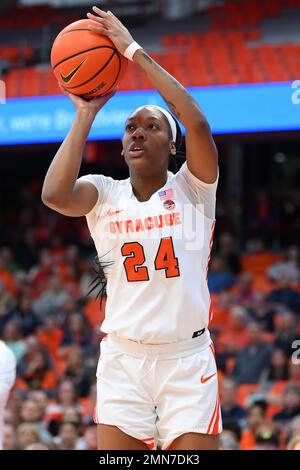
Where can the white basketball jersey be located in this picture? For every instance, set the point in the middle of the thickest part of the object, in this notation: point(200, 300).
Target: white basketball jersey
point(159, 249)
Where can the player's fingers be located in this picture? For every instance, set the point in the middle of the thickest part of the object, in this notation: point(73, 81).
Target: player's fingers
point(99, 12)
point(63, 90)
point(97, 19)
point(99, 29)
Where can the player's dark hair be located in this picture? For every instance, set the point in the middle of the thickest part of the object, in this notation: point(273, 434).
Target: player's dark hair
point(99, 283)
point(180, 155)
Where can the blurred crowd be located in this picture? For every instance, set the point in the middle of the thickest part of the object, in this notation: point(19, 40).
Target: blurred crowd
point(53, 328)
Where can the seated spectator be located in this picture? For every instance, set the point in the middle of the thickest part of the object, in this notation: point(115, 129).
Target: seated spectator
point(69, 437)
point(285, 295)
point(234, 335)
point(261, 312)
point(253, 360)
point(255, 417)
point(27, 434)
point(294, 427)
point(289, 267)
point(278, 368)
point(32, 414)
point(77, 371)
point(243, 290)
point(50, 335)
point(37, 371)
point(51, 299)
point(219, 277)
point(286, 332)
point(23, 314)
point(7, 302)
point(66, 397)
point(12, 336)
point(90, 437)
point(9, 437)
point(230, 409)
point(76, 331)
point(290, 401)
point(229, 254)
point(266, 437)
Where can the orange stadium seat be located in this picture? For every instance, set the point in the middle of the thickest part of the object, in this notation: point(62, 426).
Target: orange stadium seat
point(244, 392)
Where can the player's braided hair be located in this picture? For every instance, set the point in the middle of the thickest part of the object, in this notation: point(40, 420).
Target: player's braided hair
point(98, 284)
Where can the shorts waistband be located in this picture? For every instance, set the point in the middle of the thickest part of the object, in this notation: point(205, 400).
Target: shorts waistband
point(164, 351)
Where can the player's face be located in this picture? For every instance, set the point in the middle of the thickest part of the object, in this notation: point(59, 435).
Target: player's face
point(147, 141)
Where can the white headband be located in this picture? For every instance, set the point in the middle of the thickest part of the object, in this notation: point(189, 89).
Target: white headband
point(168, 115)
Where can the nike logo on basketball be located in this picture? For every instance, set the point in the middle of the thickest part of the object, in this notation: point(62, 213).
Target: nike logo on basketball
point(205, 379)
point(68, 78)
point(110, 212)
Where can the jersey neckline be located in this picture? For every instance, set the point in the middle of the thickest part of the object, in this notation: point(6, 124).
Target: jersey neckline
point(133, 196)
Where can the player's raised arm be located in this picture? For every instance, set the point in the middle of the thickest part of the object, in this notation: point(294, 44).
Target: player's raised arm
point(61, 191)
point(202, 158)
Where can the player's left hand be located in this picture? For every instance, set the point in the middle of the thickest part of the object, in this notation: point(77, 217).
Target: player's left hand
point(107, 23)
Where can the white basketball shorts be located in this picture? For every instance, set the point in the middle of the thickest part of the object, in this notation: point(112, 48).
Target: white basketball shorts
point(156, 393)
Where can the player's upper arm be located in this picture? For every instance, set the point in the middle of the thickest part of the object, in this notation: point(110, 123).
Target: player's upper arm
point(82, 200)
point(201, 152)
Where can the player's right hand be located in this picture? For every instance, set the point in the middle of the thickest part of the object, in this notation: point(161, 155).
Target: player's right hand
point(93, 105)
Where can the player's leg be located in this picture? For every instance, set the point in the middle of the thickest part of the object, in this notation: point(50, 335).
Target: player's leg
point(112, 438)
point(195, 441)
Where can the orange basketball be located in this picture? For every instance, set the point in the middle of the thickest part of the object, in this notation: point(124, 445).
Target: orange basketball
point(85, 62)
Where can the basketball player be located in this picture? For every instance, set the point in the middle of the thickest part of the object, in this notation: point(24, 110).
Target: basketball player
point(7, 379)
point(157, 377)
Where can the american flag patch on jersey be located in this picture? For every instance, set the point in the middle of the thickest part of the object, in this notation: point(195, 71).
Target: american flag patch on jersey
point(166, 194)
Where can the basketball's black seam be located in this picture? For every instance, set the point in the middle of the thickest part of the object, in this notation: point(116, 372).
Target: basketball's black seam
point(97, 73)
point(120, 66)
point(72, 30)
point(82, 52)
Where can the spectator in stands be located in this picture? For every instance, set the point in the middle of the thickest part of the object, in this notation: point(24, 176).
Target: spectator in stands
point(76, 331)
point(66, 397)
point(256, 415)
point(9, 437)
point(243, 291)
point(266, 437)
point(12, 336)
point(290, 405)
point(27, 433)
point(69, 437)
point(286, 332)
point(23, 314)
point(253, 360)
point(219, 277)
point(7, 302)
point(229, 254)
point(53, 298)
point(27, 252)
point(90, 437)
point(289, 267)
point(230, 408)
point(31, 413)
point(76, 370)
point(235, 335)
point(278, 368)
point(261, 312)
point(37, 371)
point(285, 295)
point(40, 274)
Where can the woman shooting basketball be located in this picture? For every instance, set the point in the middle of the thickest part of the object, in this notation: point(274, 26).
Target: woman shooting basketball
point(156, 378)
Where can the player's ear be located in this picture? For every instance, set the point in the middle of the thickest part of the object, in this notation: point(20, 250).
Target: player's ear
point(172, 148)
point(122, 153)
